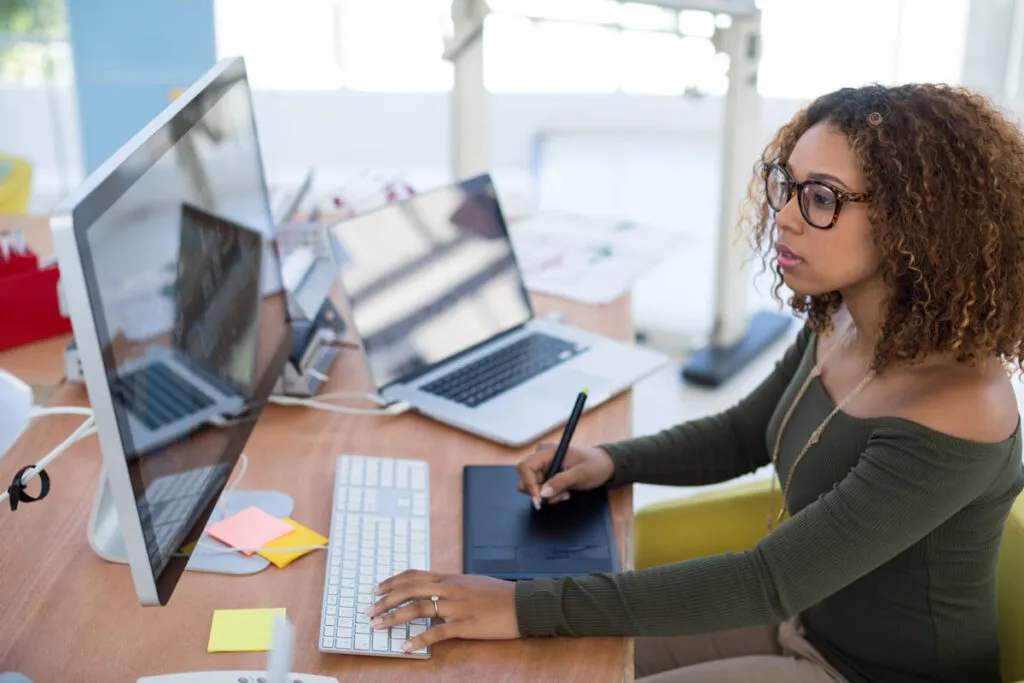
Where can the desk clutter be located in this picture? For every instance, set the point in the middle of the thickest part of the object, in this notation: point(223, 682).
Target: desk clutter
point(29, 303)
point(177, 380)
point(282, 541)
point(588, 259)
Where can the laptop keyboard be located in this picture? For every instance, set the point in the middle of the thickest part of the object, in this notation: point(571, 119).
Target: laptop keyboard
point(505, 369)
point(158, 396)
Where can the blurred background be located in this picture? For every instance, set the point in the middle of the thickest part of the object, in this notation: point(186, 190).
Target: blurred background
point(607, 108)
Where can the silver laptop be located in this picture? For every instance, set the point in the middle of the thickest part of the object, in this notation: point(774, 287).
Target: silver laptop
point(202, 374)
point(437, 299)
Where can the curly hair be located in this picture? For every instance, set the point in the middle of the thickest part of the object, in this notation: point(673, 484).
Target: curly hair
point(945, 170)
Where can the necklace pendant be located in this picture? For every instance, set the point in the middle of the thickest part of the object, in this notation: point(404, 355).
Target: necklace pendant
point(815, 435)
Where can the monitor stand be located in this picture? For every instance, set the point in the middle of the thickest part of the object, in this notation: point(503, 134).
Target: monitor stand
point(105, 533)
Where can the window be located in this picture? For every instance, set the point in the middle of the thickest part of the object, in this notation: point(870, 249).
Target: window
point(283, 50)
point(812, 47)
point(33, 42)
point(379, 45)
point(600, 46)
point(395, 45)
point(527, 55)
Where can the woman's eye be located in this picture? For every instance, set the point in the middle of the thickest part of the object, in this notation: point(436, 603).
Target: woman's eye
point(823, 199)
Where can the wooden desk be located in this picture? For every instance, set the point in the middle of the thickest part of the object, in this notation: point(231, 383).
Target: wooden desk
point(65, 614)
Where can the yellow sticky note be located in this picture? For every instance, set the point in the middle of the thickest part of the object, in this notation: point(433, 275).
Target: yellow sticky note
point(300, 538)
point(242, 630)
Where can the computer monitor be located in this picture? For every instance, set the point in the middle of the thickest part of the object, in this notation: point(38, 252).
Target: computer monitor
point(175, 296)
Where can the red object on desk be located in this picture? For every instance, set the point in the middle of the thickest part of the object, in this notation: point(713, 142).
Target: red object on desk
point(29, 306)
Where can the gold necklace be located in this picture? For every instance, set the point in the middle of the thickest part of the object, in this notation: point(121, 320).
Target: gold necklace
point(815, 435)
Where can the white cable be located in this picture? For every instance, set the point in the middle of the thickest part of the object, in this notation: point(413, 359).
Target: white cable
point(85, 429)
point(40, 411)
point(375, 398)
point(393, 409)
point(316, 374)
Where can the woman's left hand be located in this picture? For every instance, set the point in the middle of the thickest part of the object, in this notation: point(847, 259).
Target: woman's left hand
point(472, 607)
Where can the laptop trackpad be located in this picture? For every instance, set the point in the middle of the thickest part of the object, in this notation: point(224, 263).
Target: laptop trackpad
point(562, 386)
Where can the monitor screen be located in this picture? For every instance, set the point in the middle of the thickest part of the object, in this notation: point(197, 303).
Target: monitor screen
point(429, 277)
point(184, 285)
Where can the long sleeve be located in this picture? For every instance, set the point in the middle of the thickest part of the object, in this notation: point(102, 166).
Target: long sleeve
point(907, 482)
point(714, 448)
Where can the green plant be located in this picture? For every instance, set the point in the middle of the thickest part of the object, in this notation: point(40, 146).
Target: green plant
point(26, 29)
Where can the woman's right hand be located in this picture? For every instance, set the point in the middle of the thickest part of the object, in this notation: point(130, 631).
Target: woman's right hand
point(584, 468)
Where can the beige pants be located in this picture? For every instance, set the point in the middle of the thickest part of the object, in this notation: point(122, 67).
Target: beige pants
point(779, 654)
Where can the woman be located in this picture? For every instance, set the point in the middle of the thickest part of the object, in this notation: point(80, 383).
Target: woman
point(896, 217)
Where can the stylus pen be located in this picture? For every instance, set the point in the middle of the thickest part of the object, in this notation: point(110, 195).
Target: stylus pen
point(570, 427)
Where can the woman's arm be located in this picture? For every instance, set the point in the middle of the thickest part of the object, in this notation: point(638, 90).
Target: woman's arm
point(904, 486)
point(714, 448)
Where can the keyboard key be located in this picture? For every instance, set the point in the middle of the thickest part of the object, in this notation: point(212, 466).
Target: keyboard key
point(372, 473)
point(402, 474)
point(362, 641)
point(380, 641)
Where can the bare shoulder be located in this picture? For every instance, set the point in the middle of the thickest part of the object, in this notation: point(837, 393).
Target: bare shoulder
point(972, 404)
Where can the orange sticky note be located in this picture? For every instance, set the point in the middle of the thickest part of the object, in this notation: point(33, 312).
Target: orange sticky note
point(250, 528)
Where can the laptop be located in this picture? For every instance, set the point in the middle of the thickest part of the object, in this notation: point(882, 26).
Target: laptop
point(437, 299)
point(205, 372)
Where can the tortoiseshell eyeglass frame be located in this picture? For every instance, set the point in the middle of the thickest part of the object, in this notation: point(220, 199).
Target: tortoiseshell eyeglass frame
point(795, 188)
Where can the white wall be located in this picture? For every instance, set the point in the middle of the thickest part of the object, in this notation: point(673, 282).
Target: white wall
point(346, 131)
point(41, 125)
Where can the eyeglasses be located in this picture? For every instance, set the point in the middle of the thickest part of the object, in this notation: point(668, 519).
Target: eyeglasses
point(819, 203)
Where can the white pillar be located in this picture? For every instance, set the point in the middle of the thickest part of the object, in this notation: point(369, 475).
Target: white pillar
point(470, 110)
point(741, 41)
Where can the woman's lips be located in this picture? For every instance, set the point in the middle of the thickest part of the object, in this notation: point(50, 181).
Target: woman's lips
point(786, 258)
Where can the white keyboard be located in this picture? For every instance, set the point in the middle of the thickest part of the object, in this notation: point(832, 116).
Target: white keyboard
point(380, 526)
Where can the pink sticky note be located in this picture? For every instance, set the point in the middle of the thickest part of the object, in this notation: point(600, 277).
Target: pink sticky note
point(250, 528)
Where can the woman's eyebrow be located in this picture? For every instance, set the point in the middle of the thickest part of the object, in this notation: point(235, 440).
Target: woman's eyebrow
point(819, 176)
point(828, 177)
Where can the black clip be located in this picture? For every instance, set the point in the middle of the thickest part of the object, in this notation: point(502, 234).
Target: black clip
point(17, 490)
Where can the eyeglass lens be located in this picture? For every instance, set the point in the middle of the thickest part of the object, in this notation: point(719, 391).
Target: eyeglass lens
point(817, 202)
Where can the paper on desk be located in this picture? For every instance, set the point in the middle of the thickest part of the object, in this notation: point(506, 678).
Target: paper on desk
point(302, 537)
point(586, 259)
point(242, 630)
point(250, 528)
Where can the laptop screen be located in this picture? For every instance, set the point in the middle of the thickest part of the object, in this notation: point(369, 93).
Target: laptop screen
point(429, 278)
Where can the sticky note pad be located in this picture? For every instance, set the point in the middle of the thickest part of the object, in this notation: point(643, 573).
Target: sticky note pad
point(242, 630)
point(250, 528)
point(300, 538)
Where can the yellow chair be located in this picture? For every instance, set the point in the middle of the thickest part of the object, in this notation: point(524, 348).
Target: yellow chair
point(15, 184)
point(733, 519)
